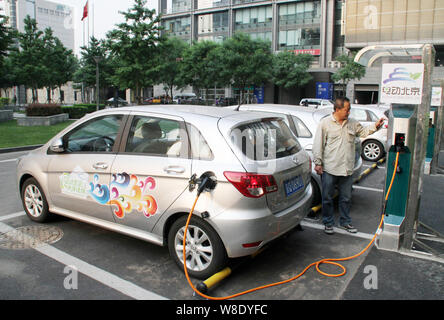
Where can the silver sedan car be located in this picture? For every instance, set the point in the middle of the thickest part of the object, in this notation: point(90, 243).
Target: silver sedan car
point(128, 170)
point(303, 121)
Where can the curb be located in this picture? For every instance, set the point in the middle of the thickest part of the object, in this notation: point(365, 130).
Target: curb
point(18, 149)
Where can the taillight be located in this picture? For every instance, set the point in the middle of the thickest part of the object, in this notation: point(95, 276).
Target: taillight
point(252, 185)
point(386, 126)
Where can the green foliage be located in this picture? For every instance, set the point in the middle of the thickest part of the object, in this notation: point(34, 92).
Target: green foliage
point(133, 44)
point(86, 73)
point(7, 36)
point(43, 110)
point(349, 71)
point(201, 67)
point(3, 102)
point(290, 70)
point(246, 62)
point(78, 111)
point(169, 62)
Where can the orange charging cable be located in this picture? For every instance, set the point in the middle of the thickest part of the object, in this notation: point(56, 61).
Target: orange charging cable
point(317, 263)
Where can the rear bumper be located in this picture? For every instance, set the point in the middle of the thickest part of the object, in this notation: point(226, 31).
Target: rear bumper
point(263, 226)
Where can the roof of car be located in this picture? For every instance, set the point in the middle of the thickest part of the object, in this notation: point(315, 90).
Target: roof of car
point(184, 111)
point(281, 108)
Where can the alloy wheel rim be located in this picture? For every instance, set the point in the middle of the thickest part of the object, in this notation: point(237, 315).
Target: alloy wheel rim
point(372, 151)
point(33, 201)
point(199, 249)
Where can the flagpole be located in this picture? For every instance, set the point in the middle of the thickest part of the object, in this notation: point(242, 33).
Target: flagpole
point(93, 18)
point(88, 23)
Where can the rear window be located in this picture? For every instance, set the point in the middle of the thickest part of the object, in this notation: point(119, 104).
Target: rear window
point(265, 140)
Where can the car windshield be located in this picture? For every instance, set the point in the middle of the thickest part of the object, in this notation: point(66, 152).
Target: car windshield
point(268, 139)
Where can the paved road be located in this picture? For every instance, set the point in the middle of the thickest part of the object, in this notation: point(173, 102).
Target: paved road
point(113, 266)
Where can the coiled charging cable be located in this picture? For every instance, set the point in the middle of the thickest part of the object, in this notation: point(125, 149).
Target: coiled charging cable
point(317, 263)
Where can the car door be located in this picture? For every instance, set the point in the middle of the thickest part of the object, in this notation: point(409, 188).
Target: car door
point(79, 178)
point(151, 171)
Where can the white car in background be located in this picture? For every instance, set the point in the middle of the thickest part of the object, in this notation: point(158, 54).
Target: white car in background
point(316, 103)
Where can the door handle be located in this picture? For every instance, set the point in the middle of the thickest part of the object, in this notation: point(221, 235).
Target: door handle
point(174, 169)
point(100, 166)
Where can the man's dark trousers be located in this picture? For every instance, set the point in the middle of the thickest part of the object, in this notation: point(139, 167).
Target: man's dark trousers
point(345, 185)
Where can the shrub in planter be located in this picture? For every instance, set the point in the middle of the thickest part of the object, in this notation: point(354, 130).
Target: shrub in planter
point(4, 102)
point(76, 111)
point(91, 107)
point(43, 110)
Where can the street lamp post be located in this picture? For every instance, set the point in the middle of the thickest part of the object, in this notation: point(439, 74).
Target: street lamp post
point(97, 59)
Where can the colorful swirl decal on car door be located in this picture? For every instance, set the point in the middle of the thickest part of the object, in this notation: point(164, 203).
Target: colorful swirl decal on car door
point(130, 193)
point(99, 192)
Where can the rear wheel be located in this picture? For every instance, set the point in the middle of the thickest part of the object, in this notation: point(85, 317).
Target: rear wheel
point(372, 150)
point(34, 201)
point(205, 252)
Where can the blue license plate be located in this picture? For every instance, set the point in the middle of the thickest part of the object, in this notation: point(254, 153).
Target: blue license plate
point(293, 185)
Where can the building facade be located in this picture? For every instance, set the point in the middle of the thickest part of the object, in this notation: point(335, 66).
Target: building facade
point(313, 27)
point(60, 18)
point(323, 28)
point(392, 22)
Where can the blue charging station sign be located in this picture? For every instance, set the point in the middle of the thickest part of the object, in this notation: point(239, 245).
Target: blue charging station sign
point(324, 90)
point(259, 94)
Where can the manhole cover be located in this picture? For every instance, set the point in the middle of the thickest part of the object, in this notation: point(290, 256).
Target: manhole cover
point(29, 237)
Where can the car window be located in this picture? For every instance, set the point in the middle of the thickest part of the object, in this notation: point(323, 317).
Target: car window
point(200, 150)
point(97, 135)
point(386, 113)
point(373, 116)
point(358, 114)
point(156, 136)
point(265, 140)
point(302, 130)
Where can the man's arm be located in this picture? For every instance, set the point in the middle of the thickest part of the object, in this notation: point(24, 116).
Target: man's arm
point(363, 132)
point(318, 149)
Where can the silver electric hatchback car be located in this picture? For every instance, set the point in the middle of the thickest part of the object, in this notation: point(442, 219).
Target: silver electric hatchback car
point(128, 170)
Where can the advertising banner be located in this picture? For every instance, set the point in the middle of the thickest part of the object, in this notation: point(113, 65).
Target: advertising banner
point(402, 83)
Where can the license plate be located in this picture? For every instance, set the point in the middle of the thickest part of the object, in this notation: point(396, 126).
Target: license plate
point(293, 185)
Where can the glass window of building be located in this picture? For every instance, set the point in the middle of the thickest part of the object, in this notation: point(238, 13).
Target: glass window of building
point(308, 12)
point(180, 26)
point(174, 6)
point(244, 1)
point(260, 17)
point(303, 38)
point(205, 4)
point(213, 23)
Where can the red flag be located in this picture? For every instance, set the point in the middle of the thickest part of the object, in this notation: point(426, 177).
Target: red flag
point(85, 11)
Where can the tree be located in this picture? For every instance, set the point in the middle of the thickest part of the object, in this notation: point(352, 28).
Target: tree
point(31, 72)
point(134, 45)
point(59, 62)
point(290, 70)
point(246, 62)
point(86, 73)
point(7, 37)
point(168, 63)
point(350, 70)
point(201, 67)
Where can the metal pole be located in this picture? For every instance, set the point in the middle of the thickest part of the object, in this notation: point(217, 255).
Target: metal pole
point(417, 172)
point(97, 85)
point(438, 130)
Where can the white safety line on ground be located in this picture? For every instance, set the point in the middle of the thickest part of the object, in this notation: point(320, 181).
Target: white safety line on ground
point(9, 160)
point(12, 216)
point(367, 189)
point(95, 273)
point(318, 226)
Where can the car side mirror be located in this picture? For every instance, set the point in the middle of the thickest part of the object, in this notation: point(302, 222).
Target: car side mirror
point(57, 146)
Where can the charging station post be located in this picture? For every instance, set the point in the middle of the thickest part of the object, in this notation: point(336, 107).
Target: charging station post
point(406, 86)
point(435, 137)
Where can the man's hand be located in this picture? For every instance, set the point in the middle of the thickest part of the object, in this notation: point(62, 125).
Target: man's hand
point(380, 123)
point(319, 170)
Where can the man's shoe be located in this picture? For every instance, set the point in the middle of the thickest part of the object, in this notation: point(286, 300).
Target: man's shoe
point(349, 228)
point(329, 230)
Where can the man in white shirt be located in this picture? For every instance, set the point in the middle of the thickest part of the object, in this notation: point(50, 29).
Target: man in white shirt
point(334, 157)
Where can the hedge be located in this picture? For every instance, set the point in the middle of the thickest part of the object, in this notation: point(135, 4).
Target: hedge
point(4, 102)
point(78, 111)
point(43, 110)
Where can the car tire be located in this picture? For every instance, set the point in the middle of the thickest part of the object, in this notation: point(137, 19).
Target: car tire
point(372, 150)
point(34, 201)
point(317, 196)
point(198, 229)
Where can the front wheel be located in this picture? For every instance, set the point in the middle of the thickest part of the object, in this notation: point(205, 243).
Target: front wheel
point(372, 150)
point(205, 252)
point(34, 201)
